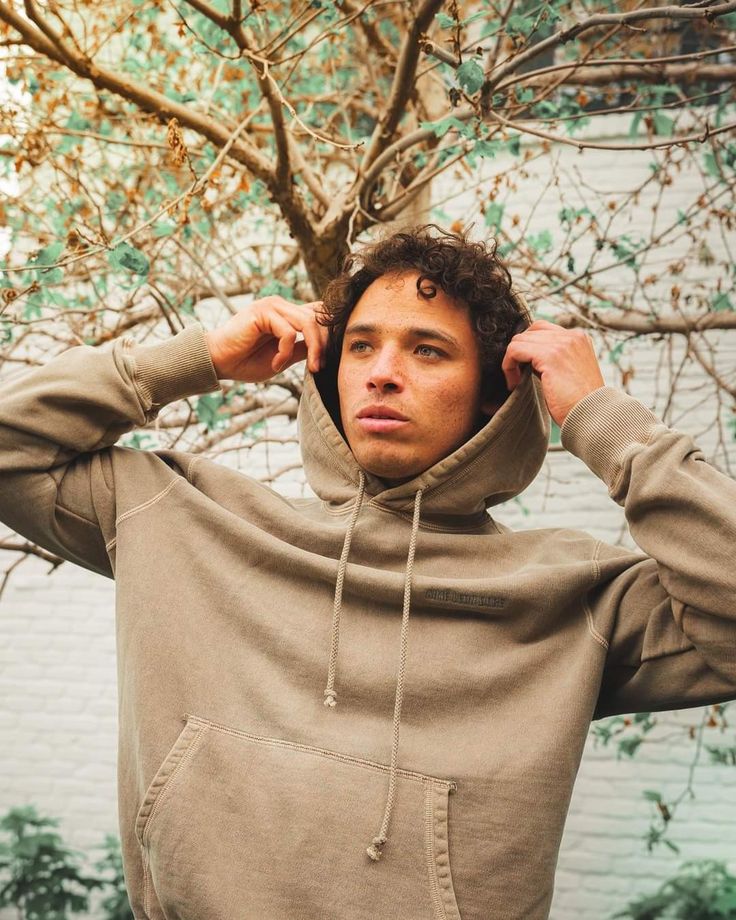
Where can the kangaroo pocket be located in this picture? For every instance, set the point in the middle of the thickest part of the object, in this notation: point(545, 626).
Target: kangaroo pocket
point(236, 826)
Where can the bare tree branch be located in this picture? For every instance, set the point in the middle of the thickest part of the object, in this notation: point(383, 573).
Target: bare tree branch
point(707, 14)
point(629, 321)
point(402, 83)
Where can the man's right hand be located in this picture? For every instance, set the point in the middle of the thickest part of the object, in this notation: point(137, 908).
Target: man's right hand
point(260, 340)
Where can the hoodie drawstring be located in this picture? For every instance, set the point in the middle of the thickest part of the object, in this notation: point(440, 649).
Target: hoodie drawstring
point(375, 849)
point(330, 693)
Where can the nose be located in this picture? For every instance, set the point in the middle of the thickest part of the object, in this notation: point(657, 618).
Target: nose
point(385, 374)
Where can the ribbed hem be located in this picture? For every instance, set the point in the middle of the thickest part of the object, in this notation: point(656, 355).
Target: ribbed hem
point(178, 367)
point(601, 427)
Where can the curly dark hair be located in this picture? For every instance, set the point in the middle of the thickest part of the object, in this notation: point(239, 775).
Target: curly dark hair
point(469, 272)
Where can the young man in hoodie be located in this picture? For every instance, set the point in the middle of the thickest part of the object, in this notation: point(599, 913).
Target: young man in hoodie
point(463, 662)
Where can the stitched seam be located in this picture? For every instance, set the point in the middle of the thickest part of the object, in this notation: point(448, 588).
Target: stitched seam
point(620, 463)
point(146, 884)
point(586, 606)
point(330, 755)
point(431, 857)
point(444, 869)
point(148, 502)
point(128, 343)
point(190, 467)
point(438, 528)
point(191, 745)
point(480, 458)
point(161, 783)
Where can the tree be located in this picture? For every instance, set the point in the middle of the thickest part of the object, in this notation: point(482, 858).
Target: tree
point(158, 153)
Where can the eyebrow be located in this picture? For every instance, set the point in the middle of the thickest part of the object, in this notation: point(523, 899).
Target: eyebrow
point(415, 332)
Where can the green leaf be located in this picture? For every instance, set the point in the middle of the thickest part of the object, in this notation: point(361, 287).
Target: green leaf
point(540, 242)
point(164, 228)
point(180, 97)
point(441, 127)
point(444, 21)
point(277, 287)
point(546, 109)
point(550, 14)
point(48, 255)
point(711, 166)
point(523, 95)
point(519, 24)
point(721, 301)
point(652, 796)
point(514, 145)
point(628, 746)
point(662, 124)
point(493, 215)
point(483, 149)
point(470, 76)
point(127, 257)
point(208, 410)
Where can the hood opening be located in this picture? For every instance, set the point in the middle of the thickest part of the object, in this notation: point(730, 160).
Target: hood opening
point(326, 380)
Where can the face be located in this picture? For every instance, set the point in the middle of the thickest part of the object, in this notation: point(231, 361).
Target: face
point(409, 379)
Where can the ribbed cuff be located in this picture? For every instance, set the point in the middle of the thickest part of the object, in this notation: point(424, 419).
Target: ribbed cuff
point(178, 367)
point(602, 426)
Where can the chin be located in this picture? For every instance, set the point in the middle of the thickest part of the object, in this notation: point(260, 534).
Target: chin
point(390, 468)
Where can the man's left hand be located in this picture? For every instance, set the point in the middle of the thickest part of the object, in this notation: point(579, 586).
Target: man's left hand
point(564, 359)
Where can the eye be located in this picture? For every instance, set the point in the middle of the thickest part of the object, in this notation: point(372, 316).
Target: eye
point(431, 349)
point(358, 347)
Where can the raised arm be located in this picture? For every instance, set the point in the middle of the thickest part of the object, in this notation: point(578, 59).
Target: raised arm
point(668, 617)
point(59, 423)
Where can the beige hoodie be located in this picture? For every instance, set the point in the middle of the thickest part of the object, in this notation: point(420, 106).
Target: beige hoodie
point(371, 704)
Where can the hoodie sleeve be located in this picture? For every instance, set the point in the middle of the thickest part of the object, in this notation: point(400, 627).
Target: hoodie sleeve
point(58, 423)
point(666, 618)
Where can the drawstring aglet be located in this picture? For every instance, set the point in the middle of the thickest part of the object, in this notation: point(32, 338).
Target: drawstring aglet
point(373, 850)
point(331, 697)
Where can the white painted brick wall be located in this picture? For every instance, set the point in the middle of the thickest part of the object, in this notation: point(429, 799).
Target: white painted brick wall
point(57, 653)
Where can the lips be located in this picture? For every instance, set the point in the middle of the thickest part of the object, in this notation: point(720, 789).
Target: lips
point(379, 412)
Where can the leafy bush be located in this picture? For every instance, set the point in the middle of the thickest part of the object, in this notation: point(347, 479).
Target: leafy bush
point(116, 905)
point(703, 890)
point(41, 877)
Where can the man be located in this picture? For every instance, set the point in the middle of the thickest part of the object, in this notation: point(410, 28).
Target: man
point(372, 703)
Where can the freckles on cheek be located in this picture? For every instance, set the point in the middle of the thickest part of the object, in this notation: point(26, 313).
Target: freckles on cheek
point(450, 402)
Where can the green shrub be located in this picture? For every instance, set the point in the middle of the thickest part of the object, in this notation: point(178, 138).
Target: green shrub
point(703, 890)
point(41, 877)
point(116, 905)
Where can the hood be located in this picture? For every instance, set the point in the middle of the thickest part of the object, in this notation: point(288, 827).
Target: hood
point(496, 464)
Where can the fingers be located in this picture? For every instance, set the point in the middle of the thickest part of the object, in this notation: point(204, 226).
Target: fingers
point(315, 337)
point(286, 335)
point(285, 321)
point(523, 347)
point(552, 349)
